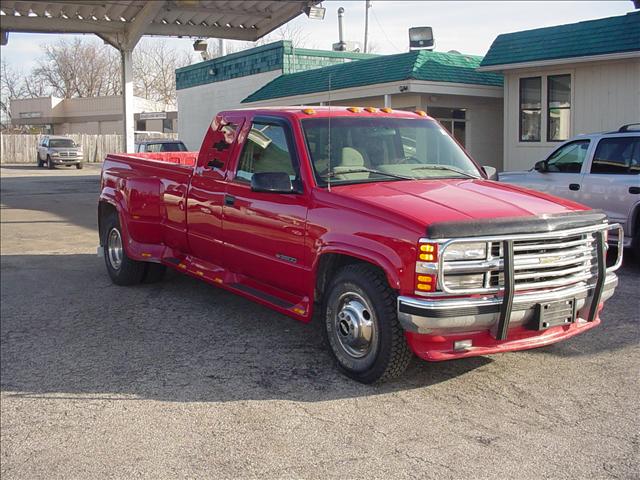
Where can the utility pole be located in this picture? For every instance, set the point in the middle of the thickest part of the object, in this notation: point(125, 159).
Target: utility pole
point(367, 6)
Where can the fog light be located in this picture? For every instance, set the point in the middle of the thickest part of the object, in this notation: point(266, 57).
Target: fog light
point(462, 345)
point(475, 280)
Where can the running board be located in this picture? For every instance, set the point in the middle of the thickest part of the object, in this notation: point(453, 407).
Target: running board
point(262, 295)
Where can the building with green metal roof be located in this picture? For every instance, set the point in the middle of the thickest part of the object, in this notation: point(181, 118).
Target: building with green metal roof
point(448, 86)
point(565, 80)
point(221, 83)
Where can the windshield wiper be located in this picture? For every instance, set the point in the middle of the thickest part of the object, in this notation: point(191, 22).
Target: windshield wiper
point(443, 167)
point(333, 173)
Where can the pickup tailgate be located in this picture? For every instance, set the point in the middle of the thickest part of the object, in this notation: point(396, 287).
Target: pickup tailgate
point(149, 190)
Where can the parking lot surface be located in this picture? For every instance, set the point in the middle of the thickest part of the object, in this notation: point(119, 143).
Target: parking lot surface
point(180, 379)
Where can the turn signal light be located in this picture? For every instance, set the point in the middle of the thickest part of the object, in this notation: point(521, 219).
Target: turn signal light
point(425, 283)
point(428, 252)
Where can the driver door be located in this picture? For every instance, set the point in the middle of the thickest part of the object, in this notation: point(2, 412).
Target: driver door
point(265, 231)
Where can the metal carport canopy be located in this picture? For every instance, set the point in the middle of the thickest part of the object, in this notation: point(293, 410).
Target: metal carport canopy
point(122, 23)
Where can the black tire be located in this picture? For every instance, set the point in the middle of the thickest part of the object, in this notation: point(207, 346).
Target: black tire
point(79, 166)
point(154, 272)
point(50, 163)
point(360, 288)
point(125, 271)
point(40, 162)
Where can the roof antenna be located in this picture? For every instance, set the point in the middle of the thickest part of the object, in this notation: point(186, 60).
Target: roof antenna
point(329, 173)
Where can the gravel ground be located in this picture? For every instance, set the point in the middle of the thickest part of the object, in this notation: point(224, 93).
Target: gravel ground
point(180, 379)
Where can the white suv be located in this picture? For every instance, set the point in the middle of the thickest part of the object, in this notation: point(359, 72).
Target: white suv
point(600, 170)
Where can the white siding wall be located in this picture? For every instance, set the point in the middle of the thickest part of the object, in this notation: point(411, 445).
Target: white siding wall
point(198, 105)
point(605, 95)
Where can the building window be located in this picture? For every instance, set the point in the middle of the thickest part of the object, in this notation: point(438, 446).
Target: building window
point(558, 107)
point(167, 125)
point(141, 125)
point(453, 120)
point(530, 109)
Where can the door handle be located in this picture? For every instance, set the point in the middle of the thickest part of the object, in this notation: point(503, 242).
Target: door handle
point(229, 200)
point(574, 186)
point(634, 190)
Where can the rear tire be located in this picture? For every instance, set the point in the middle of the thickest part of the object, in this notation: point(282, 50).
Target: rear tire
point(122, 269)
point(79, 166)
point(50, 163)
point(362, 327)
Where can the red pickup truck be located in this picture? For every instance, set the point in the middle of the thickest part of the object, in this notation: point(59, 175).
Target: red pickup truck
point(376, 219)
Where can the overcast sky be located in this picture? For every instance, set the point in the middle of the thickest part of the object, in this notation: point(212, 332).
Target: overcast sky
point(468, 27)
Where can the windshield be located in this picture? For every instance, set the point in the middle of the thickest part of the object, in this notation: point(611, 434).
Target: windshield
point(61, 143)
point(383, 149)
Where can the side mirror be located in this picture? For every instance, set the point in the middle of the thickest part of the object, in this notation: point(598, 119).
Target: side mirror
point(491, 172)
point(541, 166)
point(271, 182)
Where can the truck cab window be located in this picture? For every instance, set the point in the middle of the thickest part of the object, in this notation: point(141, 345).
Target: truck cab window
point(265, 150)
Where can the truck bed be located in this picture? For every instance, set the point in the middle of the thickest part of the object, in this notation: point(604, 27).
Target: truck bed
point(151, 191)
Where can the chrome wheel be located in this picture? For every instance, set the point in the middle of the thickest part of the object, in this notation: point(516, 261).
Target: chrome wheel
point(354, 325)
point(115, 252)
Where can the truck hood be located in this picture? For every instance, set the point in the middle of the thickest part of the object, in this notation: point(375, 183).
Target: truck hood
point(432, 201)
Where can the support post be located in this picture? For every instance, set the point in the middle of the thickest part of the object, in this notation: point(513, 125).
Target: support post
point(127, 100)
point(387, 100)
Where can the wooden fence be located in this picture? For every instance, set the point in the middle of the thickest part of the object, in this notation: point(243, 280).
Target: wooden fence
point(22, 148)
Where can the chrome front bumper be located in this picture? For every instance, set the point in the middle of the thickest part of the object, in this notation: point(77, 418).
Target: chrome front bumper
point(457, 315)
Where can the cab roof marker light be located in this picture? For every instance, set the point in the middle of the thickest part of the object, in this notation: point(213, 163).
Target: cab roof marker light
point(371, 109)
point(386, 110)
point(309, 111)
point(354, 109)
point(422, 113)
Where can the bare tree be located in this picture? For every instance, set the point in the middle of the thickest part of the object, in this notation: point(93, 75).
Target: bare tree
point(154, 65)
point(11, 87)
point(79, 68)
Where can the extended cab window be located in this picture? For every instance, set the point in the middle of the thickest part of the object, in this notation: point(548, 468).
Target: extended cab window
point(265, 150)
point(568, 158)
point(619, 155)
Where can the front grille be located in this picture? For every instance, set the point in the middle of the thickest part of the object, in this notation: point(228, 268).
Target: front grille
point(540, 261)
point(548, 263)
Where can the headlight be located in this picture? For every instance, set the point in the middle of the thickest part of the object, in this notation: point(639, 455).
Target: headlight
point(475, 280)
point(465, 251)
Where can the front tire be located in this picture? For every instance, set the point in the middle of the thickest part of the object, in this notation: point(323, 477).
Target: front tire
point(122, 269)
point(79, 166)
point(50, 163)
point(362, 327)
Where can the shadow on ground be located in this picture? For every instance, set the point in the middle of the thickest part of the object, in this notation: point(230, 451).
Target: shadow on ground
point(183, 340)
point(53, 194)
point(178, 340)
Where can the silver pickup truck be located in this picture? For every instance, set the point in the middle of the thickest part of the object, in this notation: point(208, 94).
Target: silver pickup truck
point(58, 150)
point(601, 170)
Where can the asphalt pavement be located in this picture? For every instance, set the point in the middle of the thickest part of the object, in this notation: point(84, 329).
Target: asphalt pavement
point(181, 379)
